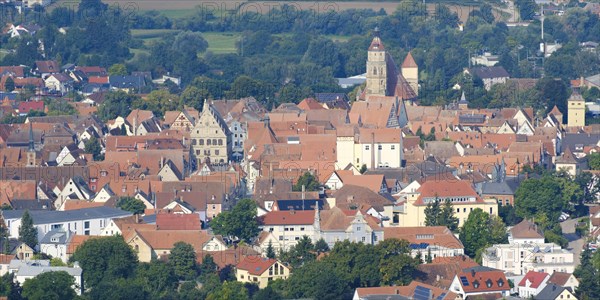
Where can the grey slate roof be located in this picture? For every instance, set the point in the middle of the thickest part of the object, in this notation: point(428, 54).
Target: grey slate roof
point(496, 188)
point(551, 291)
point(60, 237)
point(36, 270)
point(48, 217)
point(127, 81)
point(576, 141)
point(489, 72)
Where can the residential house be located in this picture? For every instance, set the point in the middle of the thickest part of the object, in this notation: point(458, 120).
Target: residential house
point(522, 258)
point(555, 292)
point(183, 120)
point(5, 260)
point(59, 82)
point(45, 68)
point(211, 137)
point(151, 244)
point(415, 290)
point(532, 284)
point(25, 107)
point(260, 270)
point(489, 75)
point(87, 221)
point(54, 244)
point(427, 241)
point(461, 193)
point(127, 83)
point(28, 270)
point(480, 281)
point(76, 189)
point(525, 232)
point(570, 163)
point(566, 280)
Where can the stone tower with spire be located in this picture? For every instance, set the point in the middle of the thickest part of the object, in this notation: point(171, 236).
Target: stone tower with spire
point(376, 67)
point(31, 153)
point(410, 71)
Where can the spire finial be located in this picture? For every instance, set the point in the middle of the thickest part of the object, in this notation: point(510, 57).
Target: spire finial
point(31, 142)
point(376, 31)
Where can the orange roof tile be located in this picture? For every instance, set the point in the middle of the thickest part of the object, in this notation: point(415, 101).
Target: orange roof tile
point(178, 222)
point(305, 217)
point(409, 61)
point(433, 235)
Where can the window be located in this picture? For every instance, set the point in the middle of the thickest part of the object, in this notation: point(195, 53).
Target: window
point(297, 238)
point(87, 232)
point(286, 229)
point(214, 141)
point(364, 239)
point(242, 276)
point(217, 152)
point(301, 228)
point(465, 210)
point(358, 228)
point(281, 237)
point(292, 229)
point(197, 152)
point(193, 142)
point(458, 210)
point(208, 142)
point(220, 142)
point(379, 147)
point(393, 147)
point(367, 147)
point(201, 142)
point(86, 224)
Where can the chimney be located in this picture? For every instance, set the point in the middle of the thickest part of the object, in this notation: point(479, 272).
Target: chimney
point(372, 150)
point(473, 272)
point(137, 219)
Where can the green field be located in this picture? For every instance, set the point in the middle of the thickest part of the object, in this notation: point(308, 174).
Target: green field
point(177, 13)
point(221, 42)
point(152, 33)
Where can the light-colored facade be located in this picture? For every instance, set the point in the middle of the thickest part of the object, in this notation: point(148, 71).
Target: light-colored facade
point(375, 148)
point(211, 138)
point(576, 111)
point(88, 221)
point(261, 272)
point(522, 258)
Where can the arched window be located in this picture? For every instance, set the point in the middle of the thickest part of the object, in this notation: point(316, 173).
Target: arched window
point(208, 142)
point(220, 142)
point(201, 142)
point(374, 70)
point(214, 141)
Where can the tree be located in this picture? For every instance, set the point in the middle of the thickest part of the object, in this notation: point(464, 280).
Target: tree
point(299, 254)
point(27, 232)
point(270, 250)
point(229, 290)
point(116, 104)
point(131, 204)
point(267, 293)
point(50, 285)
point(157, 278)
point(594, 161)
point(117, 69)
point(9, 85)
point(321, 246)
point(589, 276)
point(183, 260)
point(193, 97)
point(481, 230)
point(308, 180)
point(119, 288)
point(543, 196)
point(240, 222)
point(436, 215)
point(9, 287)
point(397, 266)
point(317, 281)
point(158, 101)
point(208, 265)
point(363, 169)
point(105, 259)
point(92, 146)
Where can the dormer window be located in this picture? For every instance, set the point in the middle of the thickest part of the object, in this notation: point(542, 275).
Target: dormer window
point(476, 284)
point(488, 283)
point(500, 282)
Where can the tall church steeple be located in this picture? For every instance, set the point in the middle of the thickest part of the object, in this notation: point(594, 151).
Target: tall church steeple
point(376, 67)
point(31, 154)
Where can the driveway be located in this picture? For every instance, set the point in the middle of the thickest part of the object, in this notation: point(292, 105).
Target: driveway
point(575, 242)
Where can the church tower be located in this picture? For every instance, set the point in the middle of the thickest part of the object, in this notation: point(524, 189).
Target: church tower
point(410, 71)
point(376, 67)
point(576, 111)
point(31, 154)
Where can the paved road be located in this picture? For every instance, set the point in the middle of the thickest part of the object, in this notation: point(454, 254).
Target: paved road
point(575, 242)
point(511, 10)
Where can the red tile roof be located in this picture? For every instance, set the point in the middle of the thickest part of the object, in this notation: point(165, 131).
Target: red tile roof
point(309, 104)
point(98, 79)
point(306, 217)
point(178, 222)
point(255, 265)
point(446, 188)
point(409, 62)
point(535, 279)
point(27, 106)
point(481, 281)
point(433, 235)
point(560, 278)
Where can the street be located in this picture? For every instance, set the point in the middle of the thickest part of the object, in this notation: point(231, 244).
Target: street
point(575, 242)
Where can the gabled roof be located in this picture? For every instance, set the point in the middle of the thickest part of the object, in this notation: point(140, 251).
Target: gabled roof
point(551, 291)
point(535, 279)
point(409, 61)
point(482, 280)
point(27, 106)
point(47, 66)
point(256, 265)
point(526, 230)
point(288, 218)
point(415, 290)
point(431, 235)
point(560, 278)
point(309, 104)
point(489, 72)
point(178, 222)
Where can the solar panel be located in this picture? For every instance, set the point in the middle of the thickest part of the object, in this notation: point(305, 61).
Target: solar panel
point(464, 281)
point(422, 293)
point(441, 297)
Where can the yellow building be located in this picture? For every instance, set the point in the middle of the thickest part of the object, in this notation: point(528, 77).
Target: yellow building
point(210, 137)
point(576, 111)
point(464, 198)
point(410, 71)
point(260, 270)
